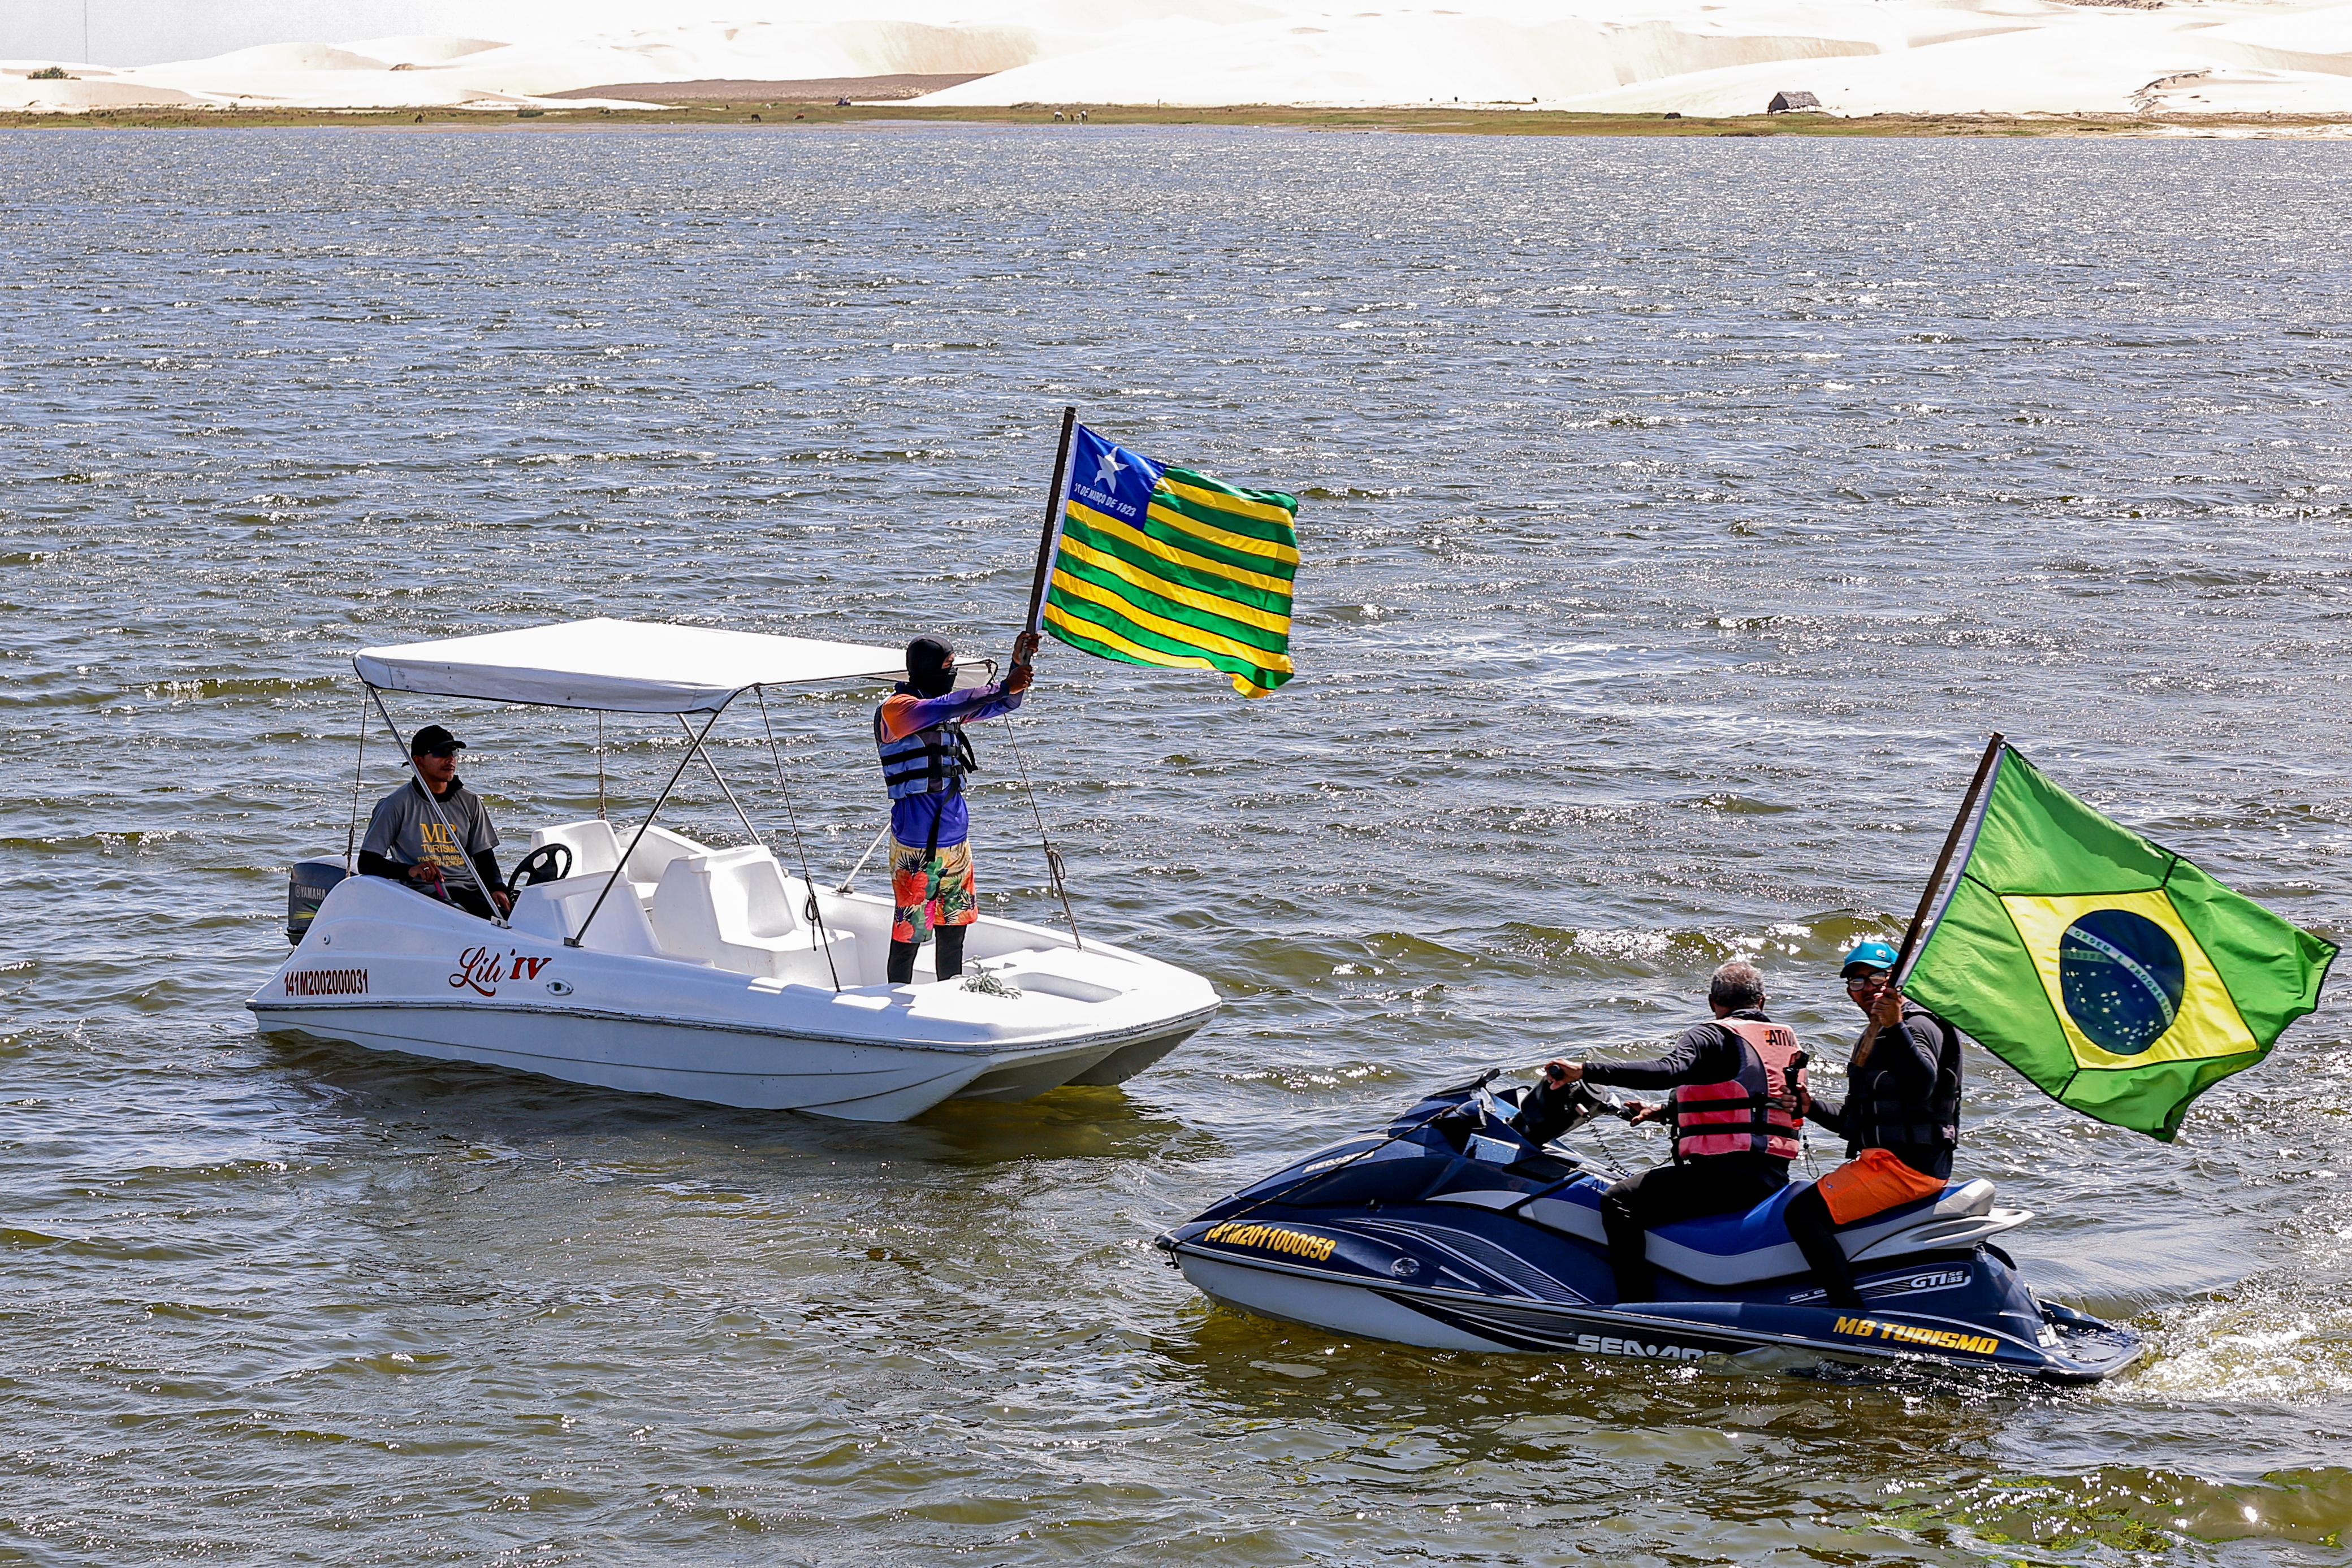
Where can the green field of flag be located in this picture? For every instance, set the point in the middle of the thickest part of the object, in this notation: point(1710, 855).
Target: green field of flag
point(1165, 566)
point(2116, 976)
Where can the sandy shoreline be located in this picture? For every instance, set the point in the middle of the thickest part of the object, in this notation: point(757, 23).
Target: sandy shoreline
point(733, 90)
point(786, 113)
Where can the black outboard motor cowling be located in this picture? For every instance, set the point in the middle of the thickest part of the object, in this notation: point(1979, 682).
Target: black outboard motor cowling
point(306, 889)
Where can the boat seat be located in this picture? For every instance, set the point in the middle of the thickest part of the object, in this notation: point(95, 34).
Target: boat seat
point(657, 847)
point(1750, 1247)
point(733, 909)
point(553, 910)
point(596, 849)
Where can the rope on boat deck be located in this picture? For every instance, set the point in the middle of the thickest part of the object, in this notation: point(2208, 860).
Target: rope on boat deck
point(814, 912)
point(1052, 855)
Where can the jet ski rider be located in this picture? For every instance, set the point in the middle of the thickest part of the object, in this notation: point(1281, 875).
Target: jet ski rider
point(918, 730)
point(1736, 1107)
point(430, 845)
point(1901, 1120)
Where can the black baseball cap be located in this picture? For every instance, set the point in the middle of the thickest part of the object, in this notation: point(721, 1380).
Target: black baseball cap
point(434, 741)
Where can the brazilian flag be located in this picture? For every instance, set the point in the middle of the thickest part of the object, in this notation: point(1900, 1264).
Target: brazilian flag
point(2120, 978)
point(1159, 565)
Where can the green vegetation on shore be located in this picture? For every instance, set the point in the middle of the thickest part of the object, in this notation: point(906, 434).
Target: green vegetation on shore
point(1455, 119)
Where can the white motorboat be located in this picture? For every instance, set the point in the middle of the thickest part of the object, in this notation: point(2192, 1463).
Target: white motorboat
point(648, 962)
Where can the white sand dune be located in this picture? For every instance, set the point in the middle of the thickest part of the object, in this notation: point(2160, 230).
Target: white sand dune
point(1697, 57)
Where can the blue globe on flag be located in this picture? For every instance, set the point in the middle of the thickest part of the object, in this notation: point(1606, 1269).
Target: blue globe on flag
point(2122, 976)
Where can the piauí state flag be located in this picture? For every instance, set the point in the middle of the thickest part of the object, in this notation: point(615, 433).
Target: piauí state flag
point(1164, 566)
point(2120, 978)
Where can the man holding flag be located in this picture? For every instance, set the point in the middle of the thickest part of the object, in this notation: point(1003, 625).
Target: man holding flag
point(1141, 561)
point(1901, 1120)
point(918, 730)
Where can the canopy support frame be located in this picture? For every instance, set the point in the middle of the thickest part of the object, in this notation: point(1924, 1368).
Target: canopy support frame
point(675, 774)
point(814, 912)
point(724, 788)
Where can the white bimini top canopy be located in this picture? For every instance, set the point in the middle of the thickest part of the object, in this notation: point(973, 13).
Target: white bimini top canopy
point(620, 666)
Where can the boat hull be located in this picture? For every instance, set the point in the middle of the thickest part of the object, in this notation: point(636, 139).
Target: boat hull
point(387, 969)
point(2082, 1350)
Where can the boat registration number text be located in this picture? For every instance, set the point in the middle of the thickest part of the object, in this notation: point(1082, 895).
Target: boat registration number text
point(326, 982)
point(1274, 1238)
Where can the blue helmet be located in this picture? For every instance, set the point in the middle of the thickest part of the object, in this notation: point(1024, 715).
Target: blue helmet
point(1870, 955)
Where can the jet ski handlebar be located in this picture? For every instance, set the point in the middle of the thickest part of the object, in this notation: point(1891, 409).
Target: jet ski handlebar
point(1548, 1110)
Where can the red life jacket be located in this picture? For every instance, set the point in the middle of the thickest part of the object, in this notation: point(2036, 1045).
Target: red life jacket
point(1760, 1112)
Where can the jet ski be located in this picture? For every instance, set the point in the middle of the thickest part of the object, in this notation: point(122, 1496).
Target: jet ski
point(1453, 1229)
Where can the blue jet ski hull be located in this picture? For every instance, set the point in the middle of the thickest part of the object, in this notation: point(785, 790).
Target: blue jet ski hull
point(1454, 1232)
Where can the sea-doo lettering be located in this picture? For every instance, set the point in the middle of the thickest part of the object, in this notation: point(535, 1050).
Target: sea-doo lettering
point(1609, 1345)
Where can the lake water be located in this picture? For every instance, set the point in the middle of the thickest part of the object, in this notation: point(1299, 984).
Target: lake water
point(1677, 521)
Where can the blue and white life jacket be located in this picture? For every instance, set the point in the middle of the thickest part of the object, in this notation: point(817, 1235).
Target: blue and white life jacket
point(929, 762)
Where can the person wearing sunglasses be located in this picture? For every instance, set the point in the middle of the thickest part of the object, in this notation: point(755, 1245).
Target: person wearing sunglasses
point(432, 844)
point(1901, 1118)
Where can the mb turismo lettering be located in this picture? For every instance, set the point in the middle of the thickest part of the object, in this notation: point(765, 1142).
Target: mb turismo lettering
point(1274, 1238)
point(1903, 1333)
point(327, 983)
point(479, 969)
point(1609, 1344)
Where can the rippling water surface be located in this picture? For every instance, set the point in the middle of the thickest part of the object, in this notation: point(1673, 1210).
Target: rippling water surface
point(1677, 521)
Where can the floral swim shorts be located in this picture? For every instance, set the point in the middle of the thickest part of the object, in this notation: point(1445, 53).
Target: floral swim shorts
point(931, 895)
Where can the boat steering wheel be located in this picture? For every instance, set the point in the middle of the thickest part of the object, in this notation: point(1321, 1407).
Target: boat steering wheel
point(549, 863)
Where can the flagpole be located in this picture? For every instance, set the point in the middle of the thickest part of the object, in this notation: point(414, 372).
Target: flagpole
point(1951, 843)
point(1053, 519)
point(1046, 540)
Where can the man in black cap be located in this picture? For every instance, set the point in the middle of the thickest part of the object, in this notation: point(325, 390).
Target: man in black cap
point(918, 729)
point(442, 845)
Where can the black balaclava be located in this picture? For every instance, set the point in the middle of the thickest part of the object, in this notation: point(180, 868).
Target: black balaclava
point(929, 669)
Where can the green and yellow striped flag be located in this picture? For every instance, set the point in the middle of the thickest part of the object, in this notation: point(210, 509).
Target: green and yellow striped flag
point(2120, 978)
point(1157, 565)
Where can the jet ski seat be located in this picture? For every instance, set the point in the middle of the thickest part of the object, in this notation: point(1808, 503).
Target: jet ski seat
point(1726, 1250)
point(731, 909)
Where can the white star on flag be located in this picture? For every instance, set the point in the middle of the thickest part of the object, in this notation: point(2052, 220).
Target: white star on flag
point(1107, 469)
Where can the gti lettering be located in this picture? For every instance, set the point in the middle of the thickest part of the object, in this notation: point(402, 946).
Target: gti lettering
point(479, 969)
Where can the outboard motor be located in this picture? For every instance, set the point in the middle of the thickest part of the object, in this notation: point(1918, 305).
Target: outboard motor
point(306, 889)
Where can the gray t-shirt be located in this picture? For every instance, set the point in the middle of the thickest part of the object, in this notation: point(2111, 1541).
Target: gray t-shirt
point(406, 830)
